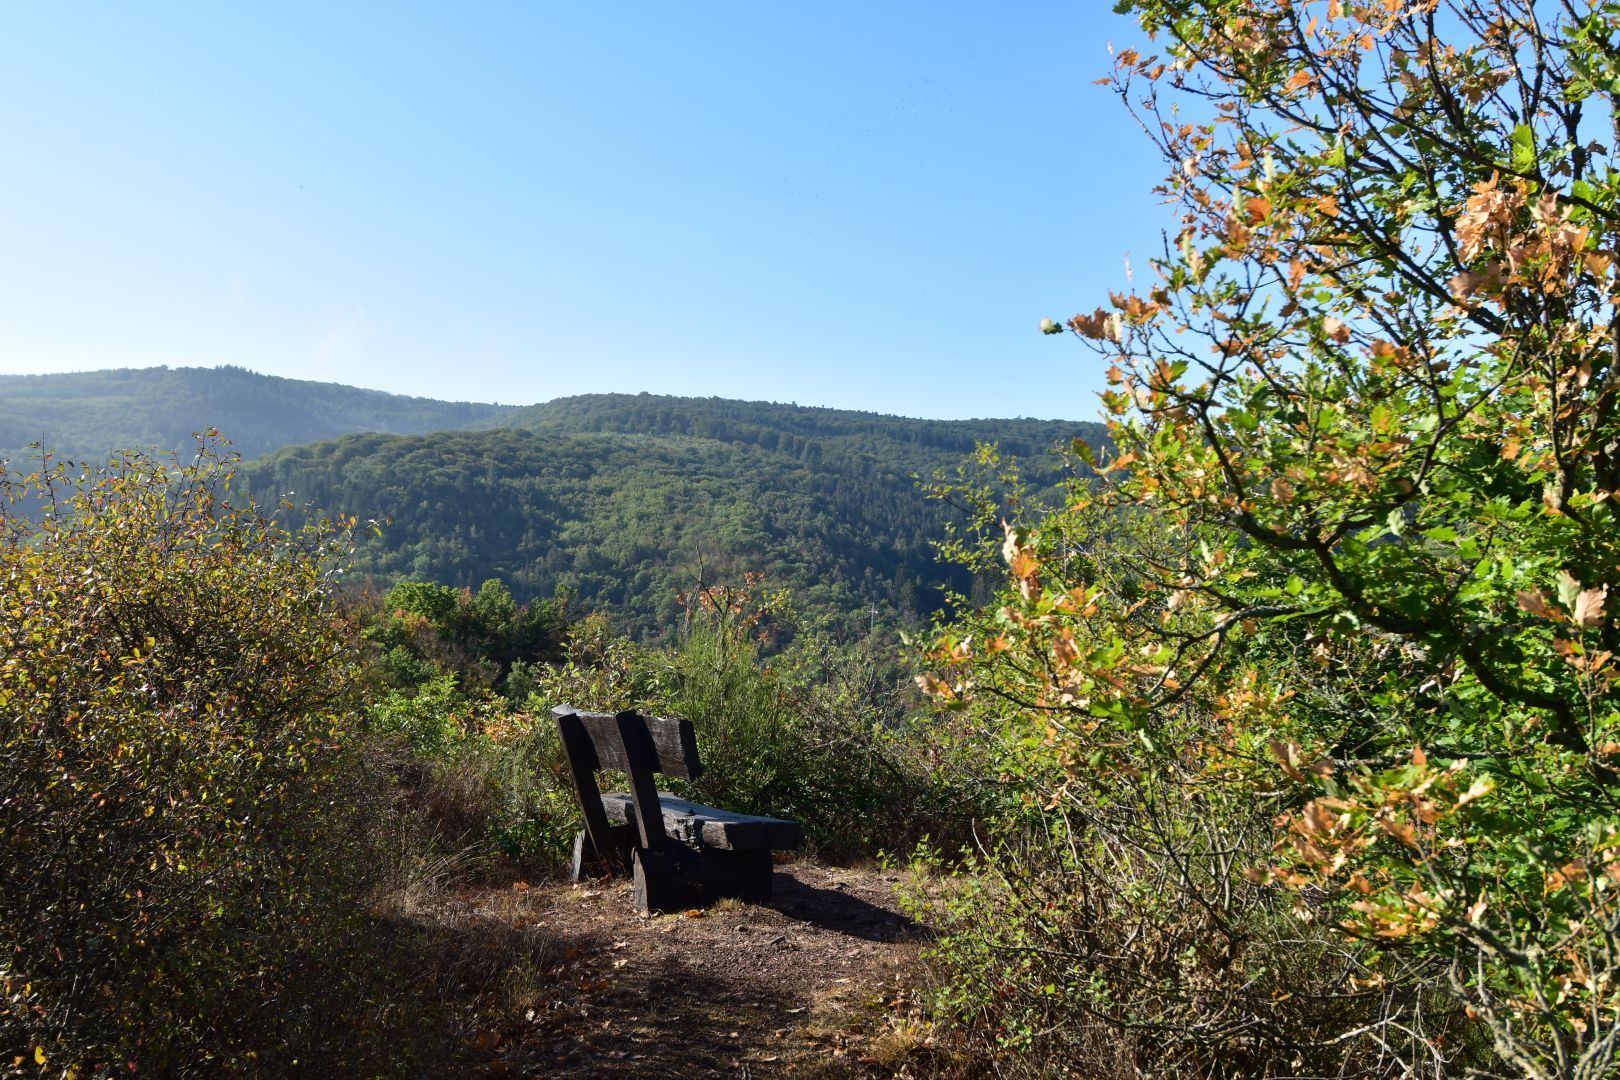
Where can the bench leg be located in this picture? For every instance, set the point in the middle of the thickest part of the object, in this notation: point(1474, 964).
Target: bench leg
point(745, 875)
point(667, 879)
point(588, 863)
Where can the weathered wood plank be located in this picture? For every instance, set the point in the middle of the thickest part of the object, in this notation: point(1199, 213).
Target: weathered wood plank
point(576, 743)
point(588, 862)
point(642, 758)
point(674, 742)
point(709, 827)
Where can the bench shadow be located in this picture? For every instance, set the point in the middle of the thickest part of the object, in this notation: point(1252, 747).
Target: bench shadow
point(841, 912)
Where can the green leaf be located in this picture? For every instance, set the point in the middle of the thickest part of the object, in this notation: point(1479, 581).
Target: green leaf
point(1524, 149)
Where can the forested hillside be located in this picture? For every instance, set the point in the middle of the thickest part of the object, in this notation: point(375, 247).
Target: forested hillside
point(93, 413)
point(622, 500)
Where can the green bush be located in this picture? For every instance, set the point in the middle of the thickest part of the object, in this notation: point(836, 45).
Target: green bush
point(424, 720)
point(484, 779)
point(183, 872)
point(423, 630)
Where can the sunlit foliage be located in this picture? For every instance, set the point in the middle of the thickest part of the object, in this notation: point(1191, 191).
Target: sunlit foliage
point(1371, 403)
point(176, 703)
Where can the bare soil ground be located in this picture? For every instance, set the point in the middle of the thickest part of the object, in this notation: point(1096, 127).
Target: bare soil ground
point(816, 984)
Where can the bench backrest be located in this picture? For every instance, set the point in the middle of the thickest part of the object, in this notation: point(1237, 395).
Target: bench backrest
point(625, 740)
point(634, 744)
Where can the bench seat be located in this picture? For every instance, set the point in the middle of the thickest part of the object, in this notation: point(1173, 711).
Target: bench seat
point(708, 827)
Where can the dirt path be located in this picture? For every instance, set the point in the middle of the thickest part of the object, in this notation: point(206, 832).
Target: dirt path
point(814, 985)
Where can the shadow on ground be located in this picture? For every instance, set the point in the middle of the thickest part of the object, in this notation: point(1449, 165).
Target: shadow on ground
point(663, 1020)
point(841, 911)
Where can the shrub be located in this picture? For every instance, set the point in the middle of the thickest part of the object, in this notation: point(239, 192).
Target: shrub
point(1106, 925)
point(181, 865)
point(422, 629)
point(485, 783)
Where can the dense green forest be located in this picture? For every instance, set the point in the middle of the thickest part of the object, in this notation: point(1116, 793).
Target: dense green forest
point(620, 501)
point(93, 413)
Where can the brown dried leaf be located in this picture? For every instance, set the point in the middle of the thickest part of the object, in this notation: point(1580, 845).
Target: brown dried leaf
point(1400, 830)
point(1589, 606)
point(1539, 604)
point(1336, 329)
point(1287, 755)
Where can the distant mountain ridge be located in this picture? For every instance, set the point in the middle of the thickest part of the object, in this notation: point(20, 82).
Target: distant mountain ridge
point(93, 413)
point(775, 425)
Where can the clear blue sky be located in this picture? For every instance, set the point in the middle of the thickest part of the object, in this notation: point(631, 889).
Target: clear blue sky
point(862, 205)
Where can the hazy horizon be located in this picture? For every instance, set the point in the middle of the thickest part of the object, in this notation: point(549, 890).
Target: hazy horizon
point(543, 401)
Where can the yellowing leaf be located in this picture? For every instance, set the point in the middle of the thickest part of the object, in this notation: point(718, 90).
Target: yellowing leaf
point(1569, 590)
point(936, 688)
point(1287, 755)
point(1121, 462)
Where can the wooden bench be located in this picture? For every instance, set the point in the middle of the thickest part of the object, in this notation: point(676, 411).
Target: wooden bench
point(679, 854)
